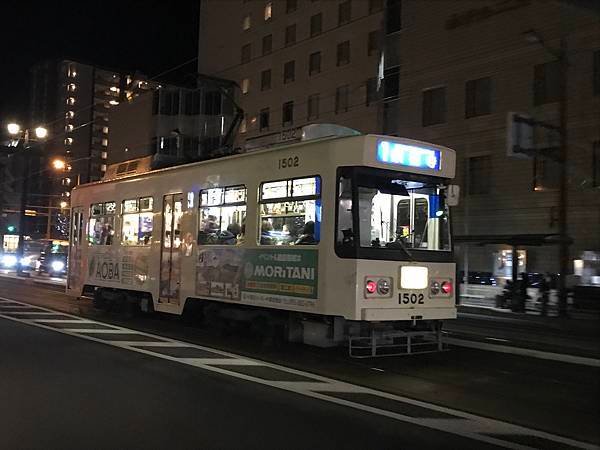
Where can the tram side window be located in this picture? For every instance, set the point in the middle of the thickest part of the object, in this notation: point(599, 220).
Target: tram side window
point(222, 216)
point(290, 212)
point(137, 221)
point(102, 223)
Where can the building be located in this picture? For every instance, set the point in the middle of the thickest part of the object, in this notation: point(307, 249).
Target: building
point(296, 62)
point(463, 67)
point(449, 75)
point(172, 124)
point(71, 99)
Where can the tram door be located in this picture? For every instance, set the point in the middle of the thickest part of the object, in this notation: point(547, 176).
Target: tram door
point(170, 261)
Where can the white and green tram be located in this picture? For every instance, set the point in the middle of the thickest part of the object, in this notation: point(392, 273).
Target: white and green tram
point(342, 239)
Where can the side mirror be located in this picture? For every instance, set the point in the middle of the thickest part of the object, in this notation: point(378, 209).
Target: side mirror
point(452, 194)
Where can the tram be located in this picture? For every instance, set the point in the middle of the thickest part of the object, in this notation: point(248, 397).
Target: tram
point(345, 239)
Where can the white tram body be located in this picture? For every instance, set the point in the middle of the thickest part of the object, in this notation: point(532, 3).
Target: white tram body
point(234, 230)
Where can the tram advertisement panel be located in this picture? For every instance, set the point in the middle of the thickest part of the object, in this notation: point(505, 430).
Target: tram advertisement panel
point(271, 275)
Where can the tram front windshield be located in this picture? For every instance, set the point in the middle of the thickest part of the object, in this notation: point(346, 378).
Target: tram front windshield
point(403, 214)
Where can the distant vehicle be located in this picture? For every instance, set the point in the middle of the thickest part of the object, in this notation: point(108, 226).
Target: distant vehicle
point(32, 253)
point(379, 256)
point(484, 278)
point(8, 261)
point(53, 259)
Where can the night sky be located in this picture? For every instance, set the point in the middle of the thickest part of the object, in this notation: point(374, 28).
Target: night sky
point(149, 36)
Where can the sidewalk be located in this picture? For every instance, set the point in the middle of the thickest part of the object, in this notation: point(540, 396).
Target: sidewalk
point(578, 322)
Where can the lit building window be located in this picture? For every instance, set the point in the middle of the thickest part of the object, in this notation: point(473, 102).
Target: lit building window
point(129, 79)
point(69, 141)
point(246, 23)
point(105, 130)
point(113, 102)
point(71, 101)
point(71, 71)
point(69, 127)
point(105, 142)
point(245, 85)
point(71, 87)
point(243, 126)
point(114, 89)
point(103, 168)
point(269, 11)
point(104, 155)
point(70, 114)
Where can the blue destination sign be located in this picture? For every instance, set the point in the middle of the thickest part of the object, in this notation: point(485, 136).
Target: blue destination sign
point(409, 155)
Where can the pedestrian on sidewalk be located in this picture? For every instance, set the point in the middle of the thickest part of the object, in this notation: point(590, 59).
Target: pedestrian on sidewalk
point(523, 292)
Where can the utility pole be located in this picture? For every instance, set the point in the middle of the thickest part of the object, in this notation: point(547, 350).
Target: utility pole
point(563, 194)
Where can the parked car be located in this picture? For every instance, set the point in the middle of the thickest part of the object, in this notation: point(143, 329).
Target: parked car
point(53, 259)
point(484, 278)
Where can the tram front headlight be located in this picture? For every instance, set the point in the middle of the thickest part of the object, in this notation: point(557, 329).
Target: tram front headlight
point(435, 288)
point(414, 277)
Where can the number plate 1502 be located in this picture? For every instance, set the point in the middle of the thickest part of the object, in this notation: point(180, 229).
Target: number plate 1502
point(408, 298)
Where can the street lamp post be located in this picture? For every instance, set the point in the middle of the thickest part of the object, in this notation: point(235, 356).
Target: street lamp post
point(22, 146)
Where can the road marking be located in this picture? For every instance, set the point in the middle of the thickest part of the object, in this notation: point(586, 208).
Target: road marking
point(572, 359)
point(497, 339)
point(330, 390)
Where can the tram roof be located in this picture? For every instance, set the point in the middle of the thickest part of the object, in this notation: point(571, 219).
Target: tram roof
point(269, 149)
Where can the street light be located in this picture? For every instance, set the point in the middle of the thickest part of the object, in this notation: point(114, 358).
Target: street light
point(59, 164)
point(13, 129)
point(21, 138)
point(63, 204)
point(41, 133)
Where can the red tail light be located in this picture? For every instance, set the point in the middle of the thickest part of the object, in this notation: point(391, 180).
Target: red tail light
point(447, 287)
point(371, 286)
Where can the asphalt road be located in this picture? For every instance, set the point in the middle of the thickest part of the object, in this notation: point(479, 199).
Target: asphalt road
point(64, 391)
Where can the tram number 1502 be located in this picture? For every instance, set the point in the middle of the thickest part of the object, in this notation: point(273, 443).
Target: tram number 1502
point(292, 161)
point(415, 299)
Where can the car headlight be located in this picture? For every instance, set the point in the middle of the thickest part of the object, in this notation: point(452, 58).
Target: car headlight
point(9, 260)
point(26, 261)
point(57, 266)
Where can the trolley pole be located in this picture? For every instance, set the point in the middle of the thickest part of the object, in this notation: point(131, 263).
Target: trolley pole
point(563, 193)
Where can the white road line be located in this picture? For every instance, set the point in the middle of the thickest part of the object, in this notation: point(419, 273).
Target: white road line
point(82, 321)
point(321, 384)
point(592, 362)
point(200, 362)
point(26, 313)
point(497, 339)
point(111, 331)
point(91, 330)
